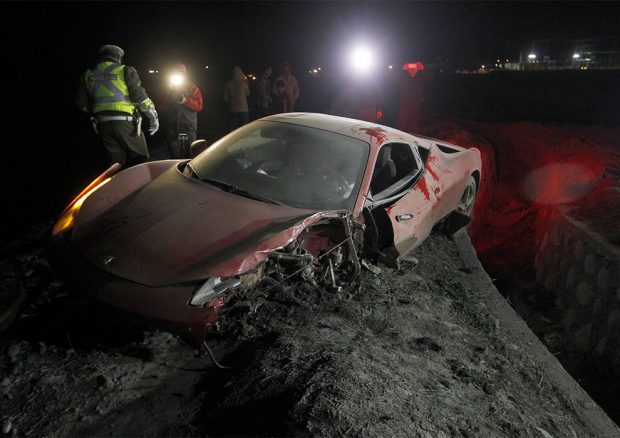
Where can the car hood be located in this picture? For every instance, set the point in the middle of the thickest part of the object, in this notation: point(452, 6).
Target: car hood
point(175, 229)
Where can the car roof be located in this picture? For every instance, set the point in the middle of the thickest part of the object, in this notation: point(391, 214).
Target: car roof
point(372, 133)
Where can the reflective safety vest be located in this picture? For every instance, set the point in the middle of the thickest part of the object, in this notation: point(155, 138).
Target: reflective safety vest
point(107, 88)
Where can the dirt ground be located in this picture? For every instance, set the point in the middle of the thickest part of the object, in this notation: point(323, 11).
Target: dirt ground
point(426, 351)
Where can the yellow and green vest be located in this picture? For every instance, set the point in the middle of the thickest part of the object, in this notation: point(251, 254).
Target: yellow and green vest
point(107, 88)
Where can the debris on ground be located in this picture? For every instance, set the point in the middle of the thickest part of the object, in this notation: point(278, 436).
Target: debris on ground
point(414, 351)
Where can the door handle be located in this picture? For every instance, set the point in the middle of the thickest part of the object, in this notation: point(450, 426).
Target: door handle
point(404, 217)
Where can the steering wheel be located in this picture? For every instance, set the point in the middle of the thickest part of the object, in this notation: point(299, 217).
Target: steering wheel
point(326, 174)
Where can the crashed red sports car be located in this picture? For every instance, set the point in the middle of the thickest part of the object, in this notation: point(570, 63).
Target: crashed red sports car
point(300, 196)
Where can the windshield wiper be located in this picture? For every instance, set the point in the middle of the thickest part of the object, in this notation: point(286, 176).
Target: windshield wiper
point(256, 196)
point(237, 191)
point(221, 184)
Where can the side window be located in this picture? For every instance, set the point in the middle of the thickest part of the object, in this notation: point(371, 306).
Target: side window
point(384, 173)
point(396, 164)
point(406, 164)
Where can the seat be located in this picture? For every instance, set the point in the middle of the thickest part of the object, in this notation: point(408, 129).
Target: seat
point(385, 171)
point(404, 160)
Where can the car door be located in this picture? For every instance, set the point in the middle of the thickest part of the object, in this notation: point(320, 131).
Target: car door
point(409, 201)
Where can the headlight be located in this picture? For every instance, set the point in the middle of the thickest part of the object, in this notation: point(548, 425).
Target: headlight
point(212, 288)
point(67, 217)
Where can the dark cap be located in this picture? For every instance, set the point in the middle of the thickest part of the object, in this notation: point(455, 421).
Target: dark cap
point(111, 51)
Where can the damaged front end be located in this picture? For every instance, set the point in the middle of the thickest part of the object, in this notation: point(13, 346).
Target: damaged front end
point(324, 254)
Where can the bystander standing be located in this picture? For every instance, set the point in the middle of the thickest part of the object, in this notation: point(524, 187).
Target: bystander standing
point(236, 95)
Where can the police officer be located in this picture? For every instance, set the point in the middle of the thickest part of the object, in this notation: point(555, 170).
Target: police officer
point(112, 94)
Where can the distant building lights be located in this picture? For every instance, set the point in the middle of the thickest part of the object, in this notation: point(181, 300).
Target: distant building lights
point(482, 66)
point(151, 72)
point(575, 55)
point(531, 56)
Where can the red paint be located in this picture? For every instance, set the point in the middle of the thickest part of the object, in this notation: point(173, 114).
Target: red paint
point(379, 134)
point(431, 171)
point(424, 189)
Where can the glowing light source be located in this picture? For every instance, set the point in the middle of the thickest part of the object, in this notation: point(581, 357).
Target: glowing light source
point(151, 72)
point(575, 55)
point(207, 67)
point(176, 79)
point(531, 56)
point(362, 59)
point(390, 67)
point(413, 67)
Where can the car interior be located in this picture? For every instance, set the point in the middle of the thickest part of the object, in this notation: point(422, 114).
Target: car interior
point(396, 167)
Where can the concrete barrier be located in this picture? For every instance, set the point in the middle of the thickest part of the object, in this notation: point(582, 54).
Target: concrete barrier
point(582, 271)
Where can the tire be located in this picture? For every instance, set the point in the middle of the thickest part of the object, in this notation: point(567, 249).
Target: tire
point(461, 216)
point(468, 198)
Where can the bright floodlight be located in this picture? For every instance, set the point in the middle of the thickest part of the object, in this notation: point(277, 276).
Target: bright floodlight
point(362, 59)
point(176, 79)
point(576, 55)
point(531, 56)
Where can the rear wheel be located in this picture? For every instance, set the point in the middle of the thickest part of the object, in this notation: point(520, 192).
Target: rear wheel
point(466, 204)
point(461, 216)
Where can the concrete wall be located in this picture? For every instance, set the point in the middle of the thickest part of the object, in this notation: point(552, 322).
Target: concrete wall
point(582, 271)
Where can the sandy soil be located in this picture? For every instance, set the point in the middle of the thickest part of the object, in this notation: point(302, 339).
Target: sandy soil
point(427, 351)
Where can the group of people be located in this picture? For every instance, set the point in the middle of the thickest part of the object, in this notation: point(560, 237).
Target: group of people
point(279, 97)
point(112, 95)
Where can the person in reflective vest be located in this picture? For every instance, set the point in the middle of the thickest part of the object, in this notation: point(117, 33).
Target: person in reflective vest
point(112, 94)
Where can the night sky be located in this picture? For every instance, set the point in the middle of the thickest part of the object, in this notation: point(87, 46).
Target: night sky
point(306, 33)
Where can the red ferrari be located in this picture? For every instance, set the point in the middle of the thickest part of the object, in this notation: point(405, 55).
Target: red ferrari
point(299, 196)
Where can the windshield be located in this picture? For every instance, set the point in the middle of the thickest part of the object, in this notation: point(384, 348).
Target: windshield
point(290, 164)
